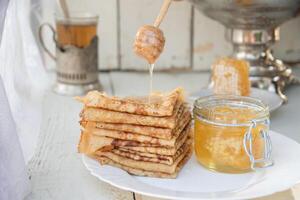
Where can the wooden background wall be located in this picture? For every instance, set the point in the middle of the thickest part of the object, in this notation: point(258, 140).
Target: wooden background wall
point(193, 41)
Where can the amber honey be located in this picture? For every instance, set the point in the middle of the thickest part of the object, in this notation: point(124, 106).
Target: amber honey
point(220, 128)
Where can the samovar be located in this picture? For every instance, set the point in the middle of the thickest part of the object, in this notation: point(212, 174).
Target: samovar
point(252, 26)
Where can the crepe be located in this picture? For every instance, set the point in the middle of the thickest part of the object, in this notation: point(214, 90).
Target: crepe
point(138, 137)
point(156, 158)
point(90, 143)
point(154, 150)
point(163, 133)
point(101, 115)
point(138, 164)
point(141, 172)
point(159, 104)
point(157, 149)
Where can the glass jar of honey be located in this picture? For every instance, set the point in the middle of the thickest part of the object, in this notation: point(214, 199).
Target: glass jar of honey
point(231, 133)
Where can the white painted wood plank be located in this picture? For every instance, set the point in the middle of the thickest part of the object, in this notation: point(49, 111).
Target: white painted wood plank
point(56, 169)
point(296, 191)
point(107, 27)
point(106, 82)
point(288, 47)
point(137, 83)
point(286, 195)
point(176, 27)
point(209, 41)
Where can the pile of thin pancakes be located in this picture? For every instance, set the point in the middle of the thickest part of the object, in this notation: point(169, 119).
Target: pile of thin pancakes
point(144, 136)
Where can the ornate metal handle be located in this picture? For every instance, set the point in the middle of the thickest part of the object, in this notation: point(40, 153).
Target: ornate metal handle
point(284, 76)
point(42, 39)
point(266, 160)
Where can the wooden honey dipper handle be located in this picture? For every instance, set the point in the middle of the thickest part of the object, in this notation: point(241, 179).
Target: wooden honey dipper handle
point(163, 11)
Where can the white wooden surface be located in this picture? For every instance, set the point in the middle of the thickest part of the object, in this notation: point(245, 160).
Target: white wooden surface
point(107, 28)
point(208, 41)
point(288, 46)
point(192, 40)
point(176, 27)
point(139, 82)
point(56, 170)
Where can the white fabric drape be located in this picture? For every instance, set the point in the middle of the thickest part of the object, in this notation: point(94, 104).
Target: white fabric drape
point(24, 77)
point(14, 180)
point(3, 7)
point(22, 84)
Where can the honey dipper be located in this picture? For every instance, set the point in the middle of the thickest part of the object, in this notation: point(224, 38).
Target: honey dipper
point(150, 40)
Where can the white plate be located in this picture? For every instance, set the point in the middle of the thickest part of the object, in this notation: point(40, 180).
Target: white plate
point(196, 182)
point(269, 98)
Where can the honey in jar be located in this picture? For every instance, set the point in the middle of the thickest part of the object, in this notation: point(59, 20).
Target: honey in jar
point(231, 133)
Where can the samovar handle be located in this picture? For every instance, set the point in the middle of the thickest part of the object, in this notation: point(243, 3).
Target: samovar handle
point(285, 75)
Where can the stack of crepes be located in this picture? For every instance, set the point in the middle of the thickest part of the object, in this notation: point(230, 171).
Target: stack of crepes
point(144, 137)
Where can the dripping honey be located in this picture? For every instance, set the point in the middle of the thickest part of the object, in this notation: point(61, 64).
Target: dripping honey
point(151, 68)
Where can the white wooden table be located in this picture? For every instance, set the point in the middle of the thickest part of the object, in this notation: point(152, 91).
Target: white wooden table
point(56, 170)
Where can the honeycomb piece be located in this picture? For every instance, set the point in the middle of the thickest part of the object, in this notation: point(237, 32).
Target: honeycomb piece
point(231, 76)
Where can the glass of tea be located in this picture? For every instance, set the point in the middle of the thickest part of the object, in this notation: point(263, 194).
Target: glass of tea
point(76, 55)
point(231, 133)
point(78, 30)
